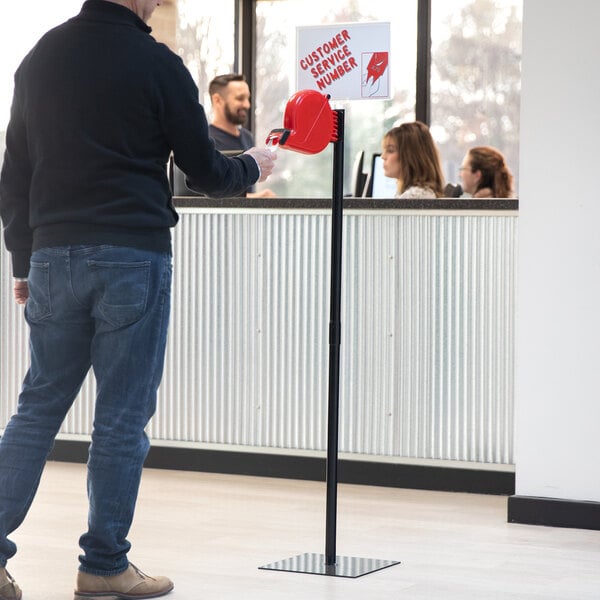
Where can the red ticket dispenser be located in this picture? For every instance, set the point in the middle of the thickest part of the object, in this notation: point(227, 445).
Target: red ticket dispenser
point(309, 124)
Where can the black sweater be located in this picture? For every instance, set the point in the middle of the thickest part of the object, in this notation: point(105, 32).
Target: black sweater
point(98, 106)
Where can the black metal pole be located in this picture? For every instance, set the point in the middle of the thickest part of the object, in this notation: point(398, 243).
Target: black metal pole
point(309, 562)
point(335, 326)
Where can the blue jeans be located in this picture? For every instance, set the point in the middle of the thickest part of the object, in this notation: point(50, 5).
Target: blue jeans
point(106, 307)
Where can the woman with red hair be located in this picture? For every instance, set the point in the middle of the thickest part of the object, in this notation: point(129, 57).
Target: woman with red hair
point(484, 174)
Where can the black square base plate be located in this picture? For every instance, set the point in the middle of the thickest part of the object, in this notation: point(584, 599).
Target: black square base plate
point(345, 566)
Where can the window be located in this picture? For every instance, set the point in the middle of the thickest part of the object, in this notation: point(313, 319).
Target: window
point(475, 72)
point(203, 34)
point(366, 121)
point(476, 79)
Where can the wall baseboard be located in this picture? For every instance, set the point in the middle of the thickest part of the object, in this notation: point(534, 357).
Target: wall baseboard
point(362, 472)
point(554, 512)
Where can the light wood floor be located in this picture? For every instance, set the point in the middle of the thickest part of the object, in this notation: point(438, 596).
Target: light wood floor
point(210, 533)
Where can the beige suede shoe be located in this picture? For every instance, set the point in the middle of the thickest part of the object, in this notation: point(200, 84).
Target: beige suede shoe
point(132, 584)
point(9, 590)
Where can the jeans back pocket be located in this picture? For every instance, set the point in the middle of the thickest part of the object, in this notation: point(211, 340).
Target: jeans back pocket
point(122, 288)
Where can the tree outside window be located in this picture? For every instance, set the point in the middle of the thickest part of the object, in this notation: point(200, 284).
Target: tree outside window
point(476, 79)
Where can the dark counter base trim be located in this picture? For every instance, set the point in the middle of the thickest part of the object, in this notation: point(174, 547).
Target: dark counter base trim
point(554, 512)
point(448, 479)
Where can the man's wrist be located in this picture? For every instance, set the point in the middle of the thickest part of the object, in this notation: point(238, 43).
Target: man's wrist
point(19, 279)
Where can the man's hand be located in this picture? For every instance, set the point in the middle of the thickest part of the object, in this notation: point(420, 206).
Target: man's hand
point(265, 159)
point(21, 291)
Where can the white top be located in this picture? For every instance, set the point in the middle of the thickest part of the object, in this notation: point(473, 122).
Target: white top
point(416, 192)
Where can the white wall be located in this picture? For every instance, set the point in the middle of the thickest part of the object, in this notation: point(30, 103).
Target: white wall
point(557, 448)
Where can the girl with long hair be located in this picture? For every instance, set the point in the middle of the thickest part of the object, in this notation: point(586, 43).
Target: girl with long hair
point(410, 155)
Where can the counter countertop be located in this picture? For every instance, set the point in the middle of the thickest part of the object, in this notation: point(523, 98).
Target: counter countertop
point(350, 203)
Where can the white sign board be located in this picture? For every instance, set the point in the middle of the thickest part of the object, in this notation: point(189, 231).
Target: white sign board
point(348, 61)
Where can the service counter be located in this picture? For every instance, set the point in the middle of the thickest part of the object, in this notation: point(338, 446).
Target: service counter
point(427, 346)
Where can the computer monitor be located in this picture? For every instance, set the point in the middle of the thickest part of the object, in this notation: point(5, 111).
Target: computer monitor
point(378, 185)
point(359, 177)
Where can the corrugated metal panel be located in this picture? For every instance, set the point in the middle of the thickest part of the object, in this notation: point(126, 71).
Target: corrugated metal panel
point(427, 354)
point(13, 342)
point(429, 335)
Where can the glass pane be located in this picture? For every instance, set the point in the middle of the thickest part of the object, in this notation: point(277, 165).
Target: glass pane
point(299, 175)
point(203, 34)
point(476, 79)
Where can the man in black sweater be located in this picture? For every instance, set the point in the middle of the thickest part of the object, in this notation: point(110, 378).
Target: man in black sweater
point(98, 107)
